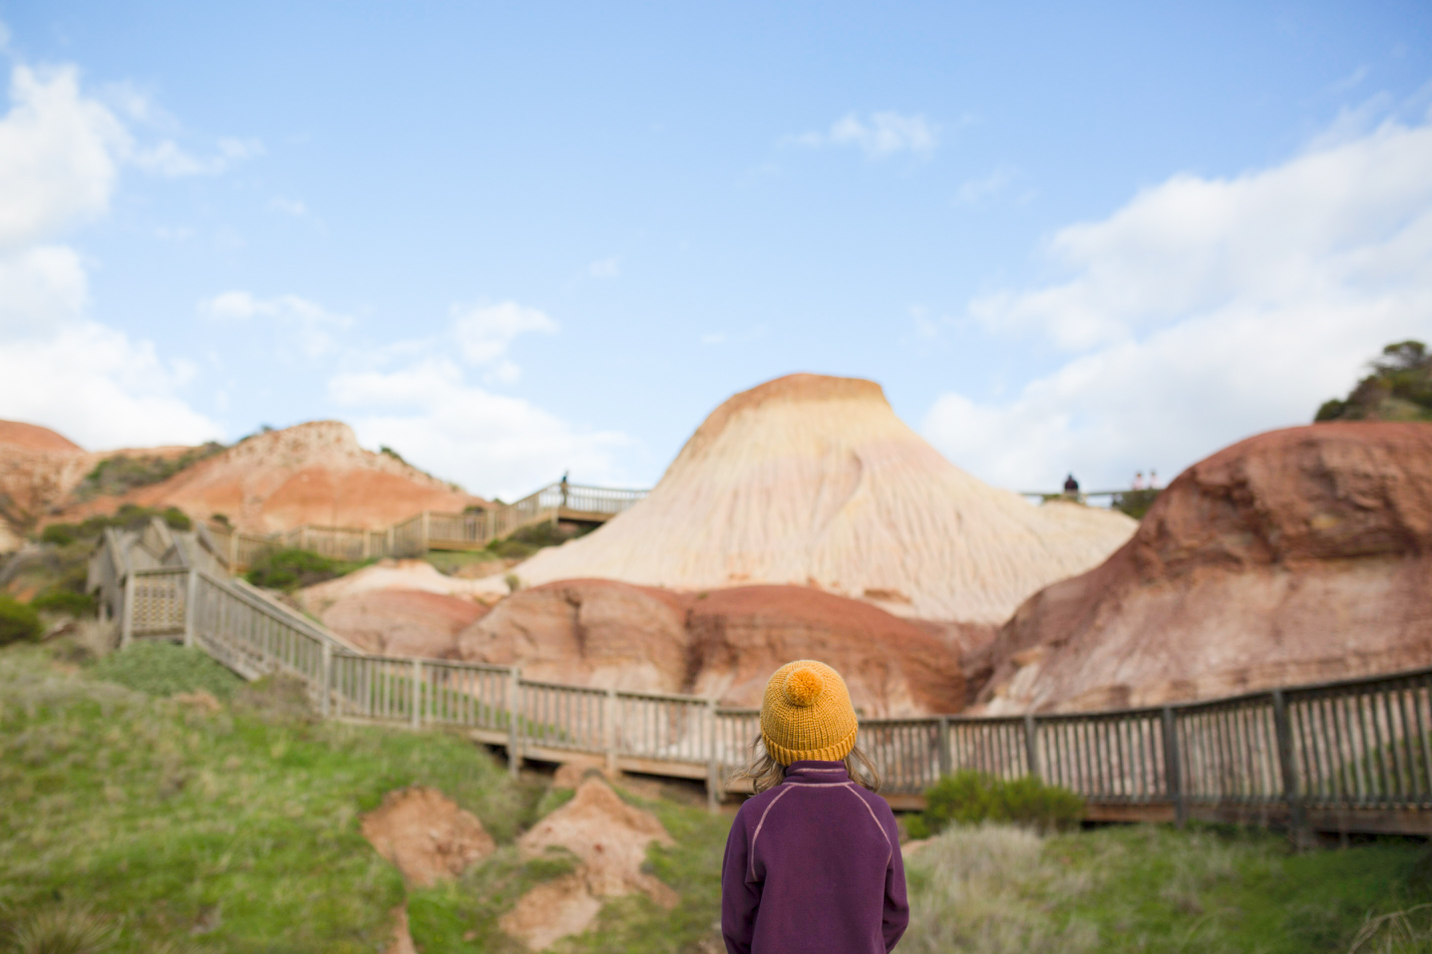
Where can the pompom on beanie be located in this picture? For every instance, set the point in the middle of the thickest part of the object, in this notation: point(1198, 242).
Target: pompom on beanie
point(807, 714)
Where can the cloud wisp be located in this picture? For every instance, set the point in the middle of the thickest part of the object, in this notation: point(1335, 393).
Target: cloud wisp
point(1205, 310)
point(879, 135)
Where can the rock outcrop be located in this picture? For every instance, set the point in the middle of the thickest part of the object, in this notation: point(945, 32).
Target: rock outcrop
point(1294, 556)
point(720, 643)
point(426, 835)
point(609, 840)
point(813, 481)
point(311, 473)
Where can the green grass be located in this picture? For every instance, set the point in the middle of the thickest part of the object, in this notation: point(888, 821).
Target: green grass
point(1156, 889)
point(160, 815)
point(439, 917)
point(154, 818)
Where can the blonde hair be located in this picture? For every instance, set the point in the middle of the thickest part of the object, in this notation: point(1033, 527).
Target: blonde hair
point(765, 772)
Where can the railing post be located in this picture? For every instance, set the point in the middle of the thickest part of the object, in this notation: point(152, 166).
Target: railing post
point(944, 760)
point(714, 793)
point(1283, 730)
point(126, 627)
point(427, 534)
point(324, 700)
point(613, 739)
point(1031, 745)
point(1173, 767)
point(191, 599)
point(417, 693)
point(514, 740)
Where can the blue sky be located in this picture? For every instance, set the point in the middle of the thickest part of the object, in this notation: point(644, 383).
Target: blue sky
point(510, 242)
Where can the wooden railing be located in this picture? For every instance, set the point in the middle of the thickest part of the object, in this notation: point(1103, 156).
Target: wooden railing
point(1353, 755)
point(430, 530)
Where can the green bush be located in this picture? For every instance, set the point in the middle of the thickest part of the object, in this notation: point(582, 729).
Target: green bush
point(163, 668)
point(60, 534)
point(121, 473)
point(292, 568)
point(18, 622)
point(968, 797)
point(64, 601)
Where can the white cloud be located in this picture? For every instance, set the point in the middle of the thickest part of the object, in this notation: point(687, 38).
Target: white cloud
point(58, 153)
point(491, 443)
point(880, 135)
point(99, 388)
point(484, 332)
point(308, 326)
point(1205, 310)
point(605, 268)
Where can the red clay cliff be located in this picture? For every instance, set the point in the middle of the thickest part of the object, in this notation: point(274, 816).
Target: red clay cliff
point(1295, 556)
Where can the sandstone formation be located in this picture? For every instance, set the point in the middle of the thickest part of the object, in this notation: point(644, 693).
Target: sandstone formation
point(403, 622)
point(719, 643)
point(37, 469)
point(813, 481)
point(395, 574)
point(1295, 556)
point(426, 835)
point(312, 473)
point(609, 839)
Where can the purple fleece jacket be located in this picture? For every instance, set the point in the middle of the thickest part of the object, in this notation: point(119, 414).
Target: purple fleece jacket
point(813, 865)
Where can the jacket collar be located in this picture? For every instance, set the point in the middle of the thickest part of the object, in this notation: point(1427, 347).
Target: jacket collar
point(811, 772)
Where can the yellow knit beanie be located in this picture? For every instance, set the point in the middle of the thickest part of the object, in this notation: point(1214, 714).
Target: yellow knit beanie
point(807, 714)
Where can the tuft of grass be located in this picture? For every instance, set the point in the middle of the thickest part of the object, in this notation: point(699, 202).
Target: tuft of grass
point(984, 889)
point(63, 930)
point(162, 668)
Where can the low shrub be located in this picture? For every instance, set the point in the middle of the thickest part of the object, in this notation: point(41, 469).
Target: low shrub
point(968, 797)
point(64, 601)
point(163, 668)
point(18, 622)
point(60, 534)
point(292, 568)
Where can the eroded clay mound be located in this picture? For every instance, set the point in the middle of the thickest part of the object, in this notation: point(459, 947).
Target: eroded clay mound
point(394, 574)
point(403, 622)
point(722, 643)
point(610, 840)
point(813, 481)
point(1295, 556)
point(587, 633)
point(313, 473)
point(893, 667)
point(426, 835)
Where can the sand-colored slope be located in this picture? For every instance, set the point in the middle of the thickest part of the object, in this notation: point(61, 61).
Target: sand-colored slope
point(37, 469)
point(313, 473)
point(813, 480)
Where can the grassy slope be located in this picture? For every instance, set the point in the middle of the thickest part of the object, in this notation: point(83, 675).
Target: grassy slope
point(163, 814)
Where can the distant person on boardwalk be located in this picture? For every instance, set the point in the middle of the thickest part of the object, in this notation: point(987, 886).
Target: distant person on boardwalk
point(813, 860)
point(1139, 480)
point(1071, 486)
point(1153, 479)
point(564, 487)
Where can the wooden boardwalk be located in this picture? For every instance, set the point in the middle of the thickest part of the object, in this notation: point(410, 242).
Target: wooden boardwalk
point(431, 530)
point(1351, 756)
